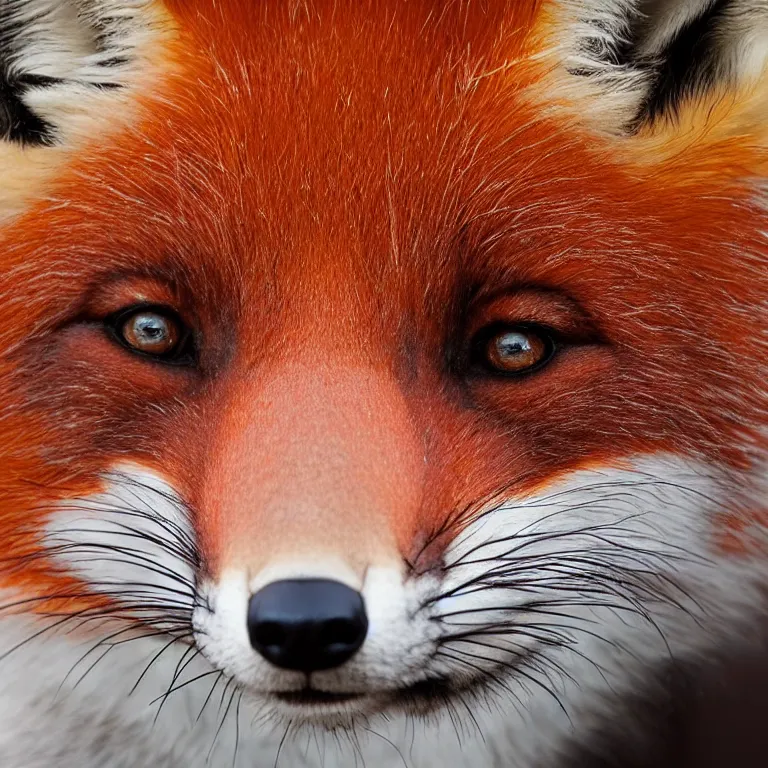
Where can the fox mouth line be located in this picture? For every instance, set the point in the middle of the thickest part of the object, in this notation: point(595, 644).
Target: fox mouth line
point(425, 689)
point(314, 697)
point(422, 691)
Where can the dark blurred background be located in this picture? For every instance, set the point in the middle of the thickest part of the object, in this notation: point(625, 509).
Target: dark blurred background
point(715, 716)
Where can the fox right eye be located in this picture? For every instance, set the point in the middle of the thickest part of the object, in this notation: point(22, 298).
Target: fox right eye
point(156, 332)
point(512, 350)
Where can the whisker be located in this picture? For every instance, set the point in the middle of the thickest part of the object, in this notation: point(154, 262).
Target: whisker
point(210, 694)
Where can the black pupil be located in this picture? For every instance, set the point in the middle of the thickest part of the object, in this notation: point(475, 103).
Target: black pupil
point(151, 328)
point(512, 344)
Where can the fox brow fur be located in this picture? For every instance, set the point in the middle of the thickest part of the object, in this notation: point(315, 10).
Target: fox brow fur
point(632, 52)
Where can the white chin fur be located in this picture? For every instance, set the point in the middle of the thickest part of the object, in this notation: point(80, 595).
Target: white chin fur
point(602, 577)
point(398, 644)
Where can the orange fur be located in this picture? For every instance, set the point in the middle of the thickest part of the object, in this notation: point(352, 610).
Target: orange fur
point(321, 187)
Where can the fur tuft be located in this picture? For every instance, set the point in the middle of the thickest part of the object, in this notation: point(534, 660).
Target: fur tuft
point(55, 56)
point(71, 71)
point(644, 61)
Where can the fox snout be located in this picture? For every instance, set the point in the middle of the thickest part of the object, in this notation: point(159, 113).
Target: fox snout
point(312, 465)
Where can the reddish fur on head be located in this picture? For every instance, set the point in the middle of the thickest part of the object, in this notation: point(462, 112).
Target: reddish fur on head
point(333, 195)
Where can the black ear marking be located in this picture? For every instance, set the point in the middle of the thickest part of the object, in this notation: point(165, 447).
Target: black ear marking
point(89, 41)
point(17, 122)
point(657, 54)
point(688, 63)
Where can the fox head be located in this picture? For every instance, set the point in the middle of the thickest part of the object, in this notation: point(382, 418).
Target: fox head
point(388, 354)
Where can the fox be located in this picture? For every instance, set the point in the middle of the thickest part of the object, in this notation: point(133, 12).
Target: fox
point(381, 383)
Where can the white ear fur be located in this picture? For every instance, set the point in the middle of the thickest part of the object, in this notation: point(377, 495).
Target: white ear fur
point(71, 72)
point(638, 59)
point(61, 59)
point(738, 31)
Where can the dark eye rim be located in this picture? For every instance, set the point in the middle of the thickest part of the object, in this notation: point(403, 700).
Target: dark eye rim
point(479, 364)
point(183, 354)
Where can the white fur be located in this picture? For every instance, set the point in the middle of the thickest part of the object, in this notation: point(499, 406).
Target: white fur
point(654, 524)
point(118, 542)
point(397, 647)
point(743, 40)
point(740, 38)
point(59, 39)
point(585, 30)
point(666, 17)
point(578, 72)
point(654, 520)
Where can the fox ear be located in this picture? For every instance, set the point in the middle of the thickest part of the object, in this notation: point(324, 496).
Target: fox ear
point(650, 60)
point(690, 48)
point(62, 60)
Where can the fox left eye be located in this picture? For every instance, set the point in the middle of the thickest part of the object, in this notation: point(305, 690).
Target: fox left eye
point(154, 331)
point(513, 349)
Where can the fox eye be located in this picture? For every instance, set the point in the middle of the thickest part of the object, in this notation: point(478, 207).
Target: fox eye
point(513, 349)
point(154, 331)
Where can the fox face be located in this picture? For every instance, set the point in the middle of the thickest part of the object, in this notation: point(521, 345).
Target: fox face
point(394, 359)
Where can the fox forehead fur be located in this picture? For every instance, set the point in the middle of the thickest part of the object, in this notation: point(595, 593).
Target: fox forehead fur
point(340, 207)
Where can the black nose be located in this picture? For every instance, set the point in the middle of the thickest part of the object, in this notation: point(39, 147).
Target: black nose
point(307, 624)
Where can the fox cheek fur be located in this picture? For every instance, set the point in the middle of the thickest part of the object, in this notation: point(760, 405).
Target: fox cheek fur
point(370, 373)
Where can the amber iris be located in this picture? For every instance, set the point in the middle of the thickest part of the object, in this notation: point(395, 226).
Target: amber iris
point(151, 332)
point(516, 350)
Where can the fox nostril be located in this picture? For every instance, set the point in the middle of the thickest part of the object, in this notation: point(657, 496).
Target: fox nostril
point(307, 624)
point(339, 631)
point(268, 633)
